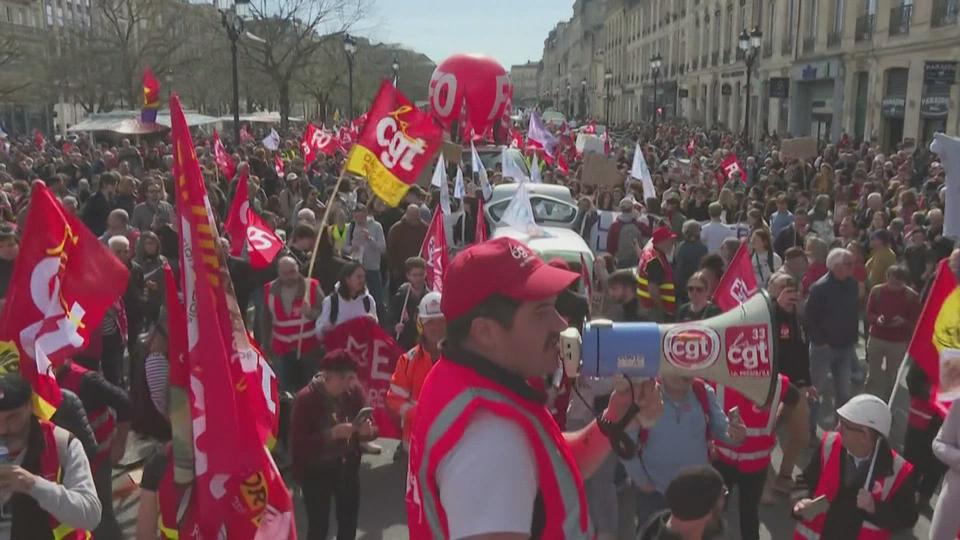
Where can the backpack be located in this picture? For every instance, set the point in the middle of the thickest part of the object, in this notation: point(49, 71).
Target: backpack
point(335, 305)
point(629, 233)
point(700, 392)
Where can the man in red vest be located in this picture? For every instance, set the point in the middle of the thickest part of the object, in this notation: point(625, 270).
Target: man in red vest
point(861, 488)
point(291, 322)
point(486, 458)
point(655, 288)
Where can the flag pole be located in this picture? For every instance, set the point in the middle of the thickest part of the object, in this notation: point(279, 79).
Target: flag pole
point(316, 246)
point(406, 299)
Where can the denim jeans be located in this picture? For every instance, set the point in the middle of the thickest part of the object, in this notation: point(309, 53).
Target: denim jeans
point(826, 360)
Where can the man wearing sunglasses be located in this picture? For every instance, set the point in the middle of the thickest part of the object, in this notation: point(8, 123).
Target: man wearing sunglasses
point(862, 487)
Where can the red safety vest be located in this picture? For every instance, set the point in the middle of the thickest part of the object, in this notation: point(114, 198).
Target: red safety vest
point(289, 327)
point(50, 469)
point(667, 291)
point(169, 499)
point(753, 454)
point(829, 485)
point(922, 412)
point(451, 396)
point(103, 420)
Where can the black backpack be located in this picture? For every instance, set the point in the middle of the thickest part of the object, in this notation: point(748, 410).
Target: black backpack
point(335, 306)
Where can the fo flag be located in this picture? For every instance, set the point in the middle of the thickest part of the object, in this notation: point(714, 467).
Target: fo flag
point(63, 282)
point(224, 161)
point(377, 353)
point(434, 251)
point(730, 166)
point(238, 491)
point(738, 283)
point(397, 142)
point(248, 232)
point(315, 142)
point(935, 346)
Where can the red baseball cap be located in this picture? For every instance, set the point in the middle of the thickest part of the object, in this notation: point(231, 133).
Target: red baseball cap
point(501, 266)
point(663, 233)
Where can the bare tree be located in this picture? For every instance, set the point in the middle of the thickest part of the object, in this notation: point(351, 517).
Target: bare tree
point(12, 55)
point(292, 33)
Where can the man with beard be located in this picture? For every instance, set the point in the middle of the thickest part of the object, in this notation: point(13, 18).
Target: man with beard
point(695, 501)
point(46, 479)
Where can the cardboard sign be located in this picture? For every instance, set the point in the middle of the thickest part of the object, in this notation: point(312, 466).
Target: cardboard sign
point(599, 170)
point(802, 148)
point(377, 353)
point(589, 143)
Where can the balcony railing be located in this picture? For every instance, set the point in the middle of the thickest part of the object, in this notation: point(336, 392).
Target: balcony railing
point(833, 39)
point(786, 47)
point(715, 57)
point(900, 20)
point(739, 54)
point(944, 12)
point(808, 43)
point(864, 28)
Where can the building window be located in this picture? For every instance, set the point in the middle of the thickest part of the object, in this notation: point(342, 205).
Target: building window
point(812, 17)
point(838, 8)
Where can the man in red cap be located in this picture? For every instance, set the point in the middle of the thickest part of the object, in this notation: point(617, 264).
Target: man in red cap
point(655, 288)
point(486, 458)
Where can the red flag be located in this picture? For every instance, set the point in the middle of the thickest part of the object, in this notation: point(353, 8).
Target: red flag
point(358, 124)
point(434, 251)
point(731, 165)
point(397, 142)
point(176, 332)
point(224, 160)
point(248, 232)
point(151, 97)
point(346, 139)
point(562, 164)
point(926, 343)
point(480, 233)
point(67, 148)
point(377, 353)
point(587, 282)
point(692, 147)
point(63, 282)
point(516, 138)
point(237, 488)
point(606, 143)
point(317, 140)
point(591, 128)
point(38, 141)
point(245, 135)
point(738, 283)
point(278, 165)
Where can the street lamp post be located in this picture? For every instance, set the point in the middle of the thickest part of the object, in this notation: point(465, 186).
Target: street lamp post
point(233, 23)
point(349, 47)
point(750, 45)
point(583, 99)
point(396, 70)
point(655, 62)
point(607, 81)
point(569, 110)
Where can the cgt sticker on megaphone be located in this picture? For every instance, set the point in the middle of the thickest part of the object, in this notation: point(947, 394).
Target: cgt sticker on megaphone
point(691, 346)
point(748, 350)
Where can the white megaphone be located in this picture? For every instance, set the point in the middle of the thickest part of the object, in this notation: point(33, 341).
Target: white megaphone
point(735, 349)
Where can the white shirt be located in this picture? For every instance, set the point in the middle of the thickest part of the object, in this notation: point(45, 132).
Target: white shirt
point(347, 310)
point(761, 267)
point(713, 234)
point(488, 481)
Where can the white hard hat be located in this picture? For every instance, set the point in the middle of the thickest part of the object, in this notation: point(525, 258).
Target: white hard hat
point(430, 307)
point(869, 411)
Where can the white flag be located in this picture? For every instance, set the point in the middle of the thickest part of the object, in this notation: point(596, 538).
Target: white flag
point(641, 173)
point(481, 172)
point(440, 181)
point(272, 141)
point(519, 213)
point(510, 167)
point(459, 191)
point(535, 171)
point(948, 150)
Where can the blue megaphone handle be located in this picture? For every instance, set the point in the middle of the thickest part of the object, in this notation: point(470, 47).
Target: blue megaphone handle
point(629, 349)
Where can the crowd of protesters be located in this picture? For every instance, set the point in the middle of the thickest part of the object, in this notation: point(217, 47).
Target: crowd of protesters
point(846, 243)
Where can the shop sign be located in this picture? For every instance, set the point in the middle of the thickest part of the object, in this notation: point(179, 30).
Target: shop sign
point(893, 106)
point(934, 106)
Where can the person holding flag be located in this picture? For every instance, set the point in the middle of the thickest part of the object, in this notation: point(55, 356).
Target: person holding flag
point(290, 316)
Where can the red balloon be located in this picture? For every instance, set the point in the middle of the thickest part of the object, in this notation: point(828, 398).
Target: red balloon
point(473, 82)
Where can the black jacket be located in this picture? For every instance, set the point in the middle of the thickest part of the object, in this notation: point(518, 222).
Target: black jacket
point(792, 348)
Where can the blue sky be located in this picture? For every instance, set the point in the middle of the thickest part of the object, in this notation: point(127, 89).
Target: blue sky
point(512, 31)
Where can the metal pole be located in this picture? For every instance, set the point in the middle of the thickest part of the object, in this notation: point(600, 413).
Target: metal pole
point(656, 79)
point(350, 92)
point(236, 87)
point(746, 120)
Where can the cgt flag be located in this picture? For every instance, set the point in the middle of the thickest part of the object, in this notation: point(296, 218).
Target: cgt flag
point(397, 142)
point(248, 232)
point(238, 491)
point(151, 98)
point(63, 282)
point(738, 283)
point(435, 252)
